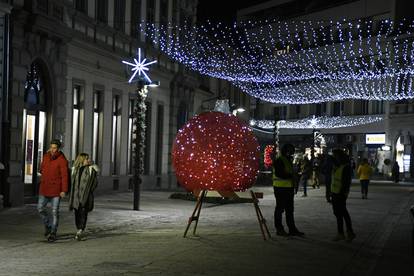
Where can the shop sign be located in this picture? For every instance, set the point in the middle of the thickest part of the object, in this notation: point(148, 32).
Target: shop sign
point(375, 139)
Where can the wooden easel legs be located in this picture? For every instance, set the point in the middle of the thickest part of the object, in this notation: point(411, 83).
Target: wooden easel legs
point(260, 218)
point(197, 210)
point(196, 215)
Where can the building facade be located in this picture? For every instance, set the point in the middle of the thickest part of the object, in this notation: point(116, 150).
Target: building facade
point(67, 82)
point(398, 116)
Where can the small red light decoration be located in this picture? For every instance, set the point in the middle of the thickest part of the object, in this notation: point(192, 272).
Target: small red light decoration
point(268, 156)
point(216, 151)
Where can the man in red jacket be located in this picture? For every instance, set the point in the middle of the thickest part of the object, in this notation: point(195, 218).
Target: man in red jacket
point(53, 186)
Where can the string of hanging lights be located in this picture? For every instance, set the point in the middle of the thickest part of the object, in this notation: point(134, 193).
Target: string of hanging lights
point(322, 122)
point(298, 62)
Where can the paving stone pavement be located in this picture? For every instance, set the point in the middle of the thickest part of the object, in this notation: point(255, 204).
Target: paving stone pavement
point(121, 241)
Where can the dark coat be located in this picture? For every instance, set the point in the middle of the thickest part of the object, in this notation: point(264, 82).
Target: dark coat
point(55, 175)
point(83, 183)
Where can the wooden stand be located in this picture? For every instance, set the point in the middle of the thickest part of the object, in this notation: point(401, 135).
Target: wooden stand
point(254, 199)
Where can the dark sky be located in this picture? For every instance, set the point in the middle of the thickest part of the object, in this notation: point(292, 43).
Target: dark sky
point(222, 10)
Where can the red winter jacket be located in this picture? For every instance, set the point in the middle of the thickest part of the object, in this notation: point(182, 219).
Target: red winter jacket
point(55, 175)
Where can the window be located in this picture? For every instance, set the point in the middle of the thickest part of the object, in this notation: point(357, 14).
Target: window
point(164, 11)
point(135, 18)
point(320, 109)
point(131, 129)
point(378, 107)
point(174, 11)
point(159, 140)
point(81, 5)
point(97, 122)
point(102, 10)
point(338, 108)
point(116, 132)
point(119, 15)
point(182, 115)
point(364, 107)
point(150, 12)
point(76, 121)
point(297, 110)
point(280, 112)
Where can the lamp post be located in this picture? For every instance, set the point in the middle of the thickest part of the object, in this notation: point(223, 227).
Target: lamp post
point(141, 78)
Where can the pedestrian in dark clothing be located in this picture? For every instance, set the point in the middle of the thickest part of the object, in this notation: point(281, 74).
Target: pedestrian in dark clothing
point(341, 183)
point(327, 167)
point(284, 189)
point(306, 169)
point(81, 198)
point(396, 172)
point(315, 172)
point(53, 186)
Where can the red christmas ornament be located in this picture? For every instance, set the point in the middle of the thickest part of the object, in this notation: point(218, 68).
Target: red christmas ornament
point(216, 151)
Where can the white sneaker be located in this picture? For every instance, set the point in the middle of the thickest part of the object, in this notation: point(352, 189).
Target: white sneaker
point(78, 235)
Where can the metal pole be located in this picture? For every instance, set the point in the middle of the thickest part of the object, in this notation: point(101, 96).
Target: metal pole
point(139, 141)
point(276, 138)
point(313, 156)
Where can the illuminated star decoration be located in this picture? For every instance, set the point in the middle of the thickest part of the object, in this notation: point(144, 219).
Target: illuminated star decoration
point(140, 66)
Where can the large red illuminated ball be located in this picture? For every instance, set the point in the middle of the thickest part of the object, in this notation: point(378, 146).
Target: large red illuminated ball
point(216, 151)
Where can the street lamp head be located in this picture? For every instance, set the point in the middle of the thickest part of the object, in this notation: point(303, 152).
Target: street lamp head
point(238, 110)
point(154, 84)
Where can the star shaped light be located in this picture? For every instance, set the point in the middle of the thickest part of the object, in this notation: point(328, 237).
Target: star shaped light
point(139, 67)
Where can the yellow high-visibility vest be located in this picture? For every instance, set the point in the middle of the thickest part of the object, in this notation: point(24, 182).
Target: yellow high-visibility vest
point(336, 184)
point(283, 182)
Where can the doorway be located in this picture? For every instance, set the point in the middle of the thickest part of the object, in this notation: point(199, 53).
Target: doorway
point(34, 128)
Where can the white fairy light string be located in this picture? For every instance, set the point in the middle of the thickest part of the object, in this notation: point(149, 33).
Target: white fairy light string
point(322, 122)
point(298, 62)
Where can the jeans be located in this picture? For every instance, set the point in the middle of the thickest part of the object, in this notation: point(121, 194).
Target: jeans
point(42, 209)
point(304, 181)
point(284, 203)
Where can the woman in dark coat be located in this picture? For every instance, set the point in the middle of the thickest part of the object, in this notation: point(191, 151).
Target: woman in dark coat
point(83, 183)
point(396, 172)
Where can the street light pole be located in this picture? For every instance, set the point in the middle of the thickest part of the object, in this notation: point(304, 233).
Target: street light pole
point(139, 141)
point(139, 66)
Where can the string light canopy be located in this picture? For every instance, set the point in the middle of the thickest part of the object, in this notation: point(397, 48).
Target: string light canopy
point(298, 62)
point(322, 122)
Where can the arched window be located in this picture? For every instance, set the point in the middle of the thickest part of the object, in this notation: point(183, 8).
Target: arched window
point(33, 87)
point(35, 125)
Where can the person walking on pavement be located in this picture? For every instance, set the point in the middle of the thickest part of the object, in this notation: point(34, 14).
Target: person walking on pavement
point(83, 183)
point(396, 172)
point(306, 169)
point(284, 189)
point(364, 173)
point(327, 167)
point(53, 187)
point(340, 187)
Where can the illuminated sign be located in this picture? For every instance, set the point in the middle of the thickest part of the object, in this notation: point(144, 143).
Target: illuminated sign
point(375, 139)
point(282, 51)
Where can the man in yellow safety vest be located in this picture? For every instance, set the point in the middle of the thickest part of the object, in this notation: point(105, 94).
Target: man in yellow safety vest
point(284, 189)
point(341, 183)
